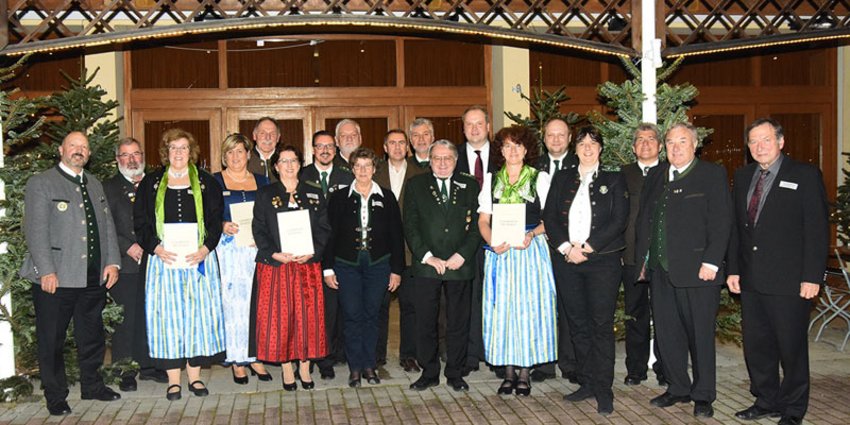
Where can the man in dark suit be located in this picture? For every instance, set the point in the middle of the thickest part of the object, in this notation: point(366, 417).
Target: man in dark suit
point(556, 137)
point(72, 259)
point(394, 175)
point(646, 145)
point(129, 342)
point(474, 159)
point(421, 132)
point(441, 228)
point(683, 231)
point(266, 139)
point(331, 176)
point(777, 260)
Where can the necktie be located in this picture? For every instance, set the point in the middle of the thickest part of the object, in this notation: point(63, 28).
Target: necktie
point(479, 168)
point(557, 164)
point(646, 171)
point(324, 182)
point(753, 207)
point(676, 174)
point(444, 193)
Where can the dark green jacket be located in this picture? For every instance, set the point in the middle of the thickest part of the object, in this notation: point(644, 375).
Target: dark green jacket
point(429, 226)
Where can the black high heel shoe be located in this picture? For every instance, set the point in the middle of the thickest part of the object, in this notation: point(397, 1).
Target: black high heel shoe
point(290, 387)
point(354, 380)
point(371, 376)
point(241, 380)
point(261, 376)
point(523, 388)
point(307, 385)
point(507, 387)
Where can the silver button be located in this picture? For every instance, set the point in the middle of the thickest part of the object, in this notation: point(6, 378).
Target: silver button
point(755, 248)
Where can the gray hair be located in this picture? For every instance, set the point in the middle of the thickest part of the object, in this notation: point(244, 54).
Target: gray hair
point(419, 122)
point(344, 122)
point(687, 126)
point(269, 119)
point(446, 143)
point(645, 126)
point(125, 142)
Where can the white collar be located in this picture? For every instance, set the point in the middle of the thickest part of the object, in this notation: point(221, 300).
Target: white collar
point(260, 154)
point(680, 169)
point(484, 148)
point(69, 171)
point(418, 159)
point(448, 179)
point(650, 165)
point(393, 168)
point(329, 170)
point(374, 190)
point(560, 158)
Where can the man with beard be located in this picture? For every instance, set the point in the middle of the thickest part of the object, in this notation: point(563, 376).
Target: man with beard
point(421, 132)
point(347, 139)
point(266, 138)
point(72, 260)
point(331, 175)
point(129, 342)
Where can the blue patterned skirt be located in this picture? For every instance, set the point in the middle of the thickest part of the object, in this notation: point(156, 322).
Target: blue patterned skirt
point(519, 308)
point(183, 308)
point(237, 281)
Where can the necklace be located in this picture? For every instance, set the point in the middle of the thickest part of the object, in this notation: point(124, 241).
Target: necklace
point(238, 180)
point(177, 174)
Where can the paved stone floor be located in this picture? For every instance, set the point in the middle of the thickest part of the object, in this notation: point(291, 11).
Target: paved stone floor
point(332, 402)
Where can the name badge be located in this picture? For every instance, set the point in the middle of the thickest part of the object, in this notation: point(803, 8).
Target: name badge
point(225, 193)
point(377, 204)
point(313, 195)
point(788, 185)
point(460, 185)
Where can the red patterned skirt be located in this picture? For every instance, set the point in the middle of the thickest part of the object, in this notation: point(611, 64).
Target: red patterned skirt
point(290, 307)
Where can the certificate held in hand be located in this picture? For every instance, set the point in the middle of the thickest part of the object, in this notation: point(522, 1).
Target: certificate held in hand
point(296, 236)
point(508, 225)
point(181, 239)
point(242, 214)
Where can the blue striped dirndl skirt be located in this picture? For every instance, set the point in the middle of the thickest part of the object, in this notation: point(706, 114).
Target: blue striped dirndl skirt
point(520, 306)
point(183, 308)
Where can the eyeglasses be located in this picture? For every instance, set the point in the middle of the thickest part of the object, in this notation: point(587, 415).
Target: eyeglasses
point(293, 161)
point(362, 167)
point(443, 159)
point(323, 147)
point(178, 148)
point(130, 155)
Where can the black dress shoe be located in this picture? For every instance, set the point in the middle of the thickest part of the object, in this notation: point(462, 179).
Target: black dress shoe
point(667, 400)
point(605, 407)
point(59, 409)
point(371, 377)
point(703, 409)
point(200, 390)
point(458, 384)
point(540, 376)
point(241, 380)
point(790, 420)
point(424, 383)
point(507, 387)
point(128, 383)
point(354, 380)
point(158, 376)
point(523, 388)
point(582, 393)
point(290, 387)
point(173, 395)
point(306, 384)
point(327, 374)
point(410, 365)
point(755, 412)
point(103, 394)
point(632, 380)
point(261, 376)
point(570, 376)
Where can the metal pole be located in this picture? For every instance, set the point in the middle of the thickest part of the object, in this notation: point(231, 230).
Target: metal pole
point(650, 60)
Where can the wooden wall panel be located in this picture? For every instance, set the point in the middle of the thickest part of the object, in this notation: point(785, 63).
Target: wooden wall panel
point(801, 129)
point(187, 66)
point(730, 72)
point(357, 63)
point(42, 73)
point(291, 131)
point(803, 68)
point(277, 64)
point(443, 63)
point(372, 131)
point(199, 129)
point(557, 70)
point(726, 145)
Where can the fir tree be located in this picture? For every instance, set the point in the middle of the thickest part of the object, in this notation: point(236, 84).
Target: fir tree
point(840, 214)
point(544, 106)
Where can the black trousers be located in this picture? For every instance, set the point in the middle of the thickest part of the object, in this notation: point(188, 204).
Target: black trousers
point(775, 334)
point(566, 351)
point(333, 329)
point(638, 330)
point(475, 350)
point(685, 324)
point(589, 292)
point(130, 339)
point(53, 313)
point(427, 300)
point(383, 329)
point(407, 317)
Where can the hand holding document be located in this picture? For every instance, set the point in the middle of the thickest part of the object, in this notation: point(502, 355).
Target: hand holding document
point(181, 239)
point(296, 236)
point(242, 214)
point(508, 225)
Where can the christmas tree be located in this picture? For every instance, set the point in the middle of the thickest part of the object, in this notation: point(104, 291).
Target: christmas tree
point(544, 106)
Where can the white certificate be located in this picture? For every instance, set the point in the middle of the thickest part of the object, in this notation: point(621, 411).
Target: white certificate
point(295, 234)
point(242, 214)
point(181, 239)
point(508, 224)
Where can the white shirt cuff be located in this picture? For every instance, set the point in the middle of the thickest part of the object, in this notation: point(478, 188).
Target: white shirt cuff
point(564, 247)
point(711, 266)
point(328, 272)
point(426, 257)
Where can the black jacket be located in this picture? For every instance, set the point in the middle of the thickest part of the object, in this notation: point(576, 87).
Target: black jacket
point(121, 195)
point(339, 178)
point(386, 237)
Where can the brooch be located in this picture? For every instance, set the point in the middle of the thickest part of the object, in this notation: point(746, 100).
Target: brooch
point(276, 202)
point(603, 189)
point(62, 206)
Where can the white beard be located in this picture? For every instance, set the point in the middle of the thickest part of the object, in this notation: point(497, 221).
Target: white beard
point(131, 174)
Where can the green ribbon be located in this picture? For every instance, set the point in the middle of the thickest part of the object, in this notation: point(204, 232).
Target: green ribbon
point(518, 193)
point(195, 184)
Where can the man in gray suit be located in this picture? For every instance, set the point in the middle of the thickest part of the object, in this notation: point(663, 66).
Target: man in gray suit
point(72, 260)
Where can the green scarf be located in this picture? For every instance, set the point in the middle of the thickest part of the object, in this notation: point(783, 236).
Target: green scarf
point(518, 193)
point(195, 185)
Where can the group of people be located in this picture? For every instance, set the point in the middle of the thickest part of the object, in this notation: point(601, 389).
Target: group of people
point(422, 223)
